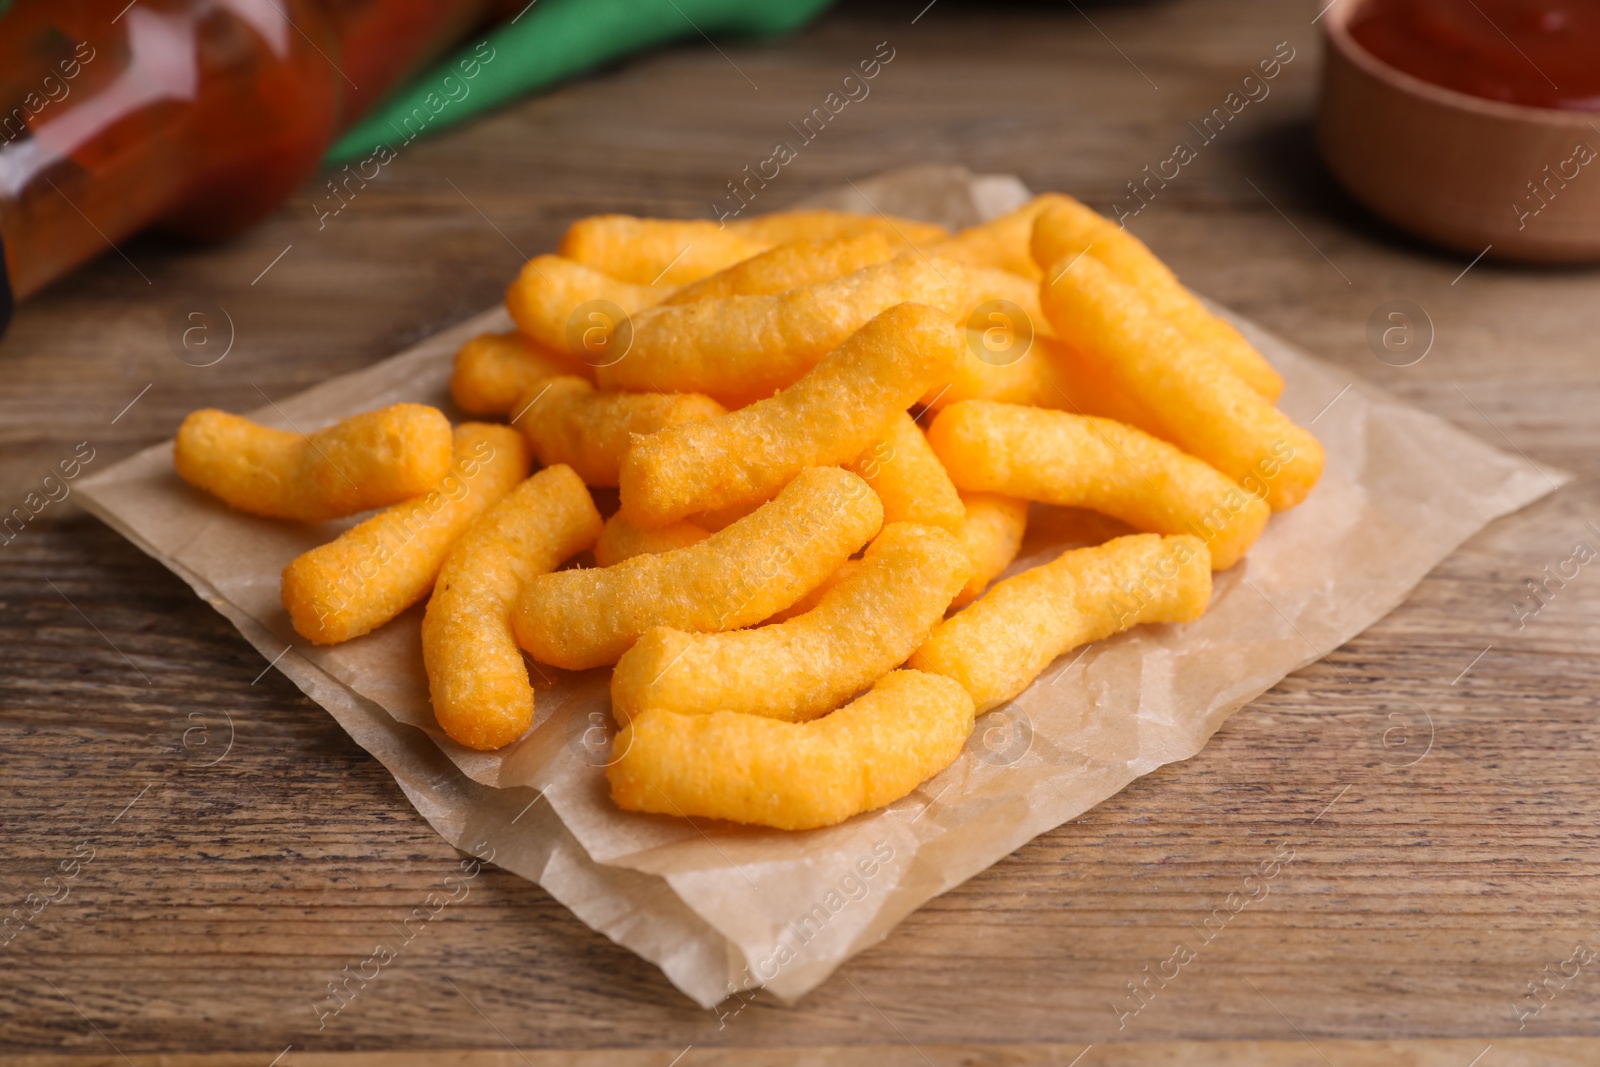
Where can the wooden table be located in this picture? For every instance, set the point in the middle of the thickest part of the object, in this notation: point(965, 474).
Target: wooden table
point(227, 885)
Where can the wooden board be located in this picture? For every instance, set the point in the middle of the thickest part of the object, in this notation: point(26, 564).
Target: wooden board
point(228, 885)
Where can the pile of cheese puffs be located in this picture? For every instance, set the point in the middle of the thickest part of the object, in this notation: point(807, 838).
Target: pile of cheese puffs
point(824, 431)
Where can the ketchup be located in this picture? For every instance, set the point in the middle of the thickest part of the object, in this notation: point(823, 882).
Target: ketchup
point(1538, 53)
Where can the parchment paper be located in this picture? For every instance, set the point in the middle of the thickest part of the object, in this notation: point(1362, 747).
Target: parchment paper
point(720, 907)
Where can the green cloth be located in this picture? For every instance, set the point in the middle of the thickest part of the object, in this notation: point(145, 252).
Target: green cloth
point(549, 41)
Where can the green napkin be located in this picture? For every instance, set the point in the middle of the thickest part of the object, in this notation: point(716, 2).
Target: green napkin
point(551, 40)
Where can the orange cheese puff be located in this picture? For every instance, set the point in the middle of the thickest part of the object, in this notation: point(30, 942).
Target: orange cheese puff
point(657, 251)
point(574, 309)
point(1003, 243)
point(1080, 461)
point(967, 288)
point(865, 626)
point(739, 349)
point(379, 568)
point(813, 598)
point(1066, 228)
point(622, 540)
point(789, 266)
point(495, 370)
point(1084, 386)
point(1200, 406)
point(566, 421)
point(578, 619)
point(996, 647)
point(794, 776)
point(784, 227)
point(1031, 376)
point(722, 518)
point(476, 675)
point(992, 535)
point(366, 461)
point(829, 416)
point(909, 479)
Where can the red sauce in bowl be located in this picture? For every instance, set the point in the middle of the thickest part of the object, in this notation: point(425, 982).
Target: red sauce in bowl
point(1538, 53)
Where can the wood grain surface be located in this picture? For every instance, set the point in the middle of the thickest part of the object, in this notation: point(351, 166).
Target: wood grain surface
point(1436, 778)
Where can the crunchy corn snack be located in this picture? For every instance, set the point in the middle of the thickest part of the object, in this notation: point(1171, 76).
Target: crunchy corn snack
point(669, 252)
point(622, 540)
point(495, 370)
point(366, 461)
point(794, 776)
point(996, 647)
point(909, 479)
point(566, 421)
point(789, 266)
point(379, 568)
point(1066, 228)
point(1080, 461)
point(991, 532)
point(476, 675)
point(827, 417)
point(1200, 406)
point(578, 619)
point(863, 627)
point(740, 349)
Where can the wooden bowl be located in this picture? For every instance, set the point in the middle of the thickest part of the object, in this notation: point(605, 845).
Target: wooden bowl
point(1457, 169)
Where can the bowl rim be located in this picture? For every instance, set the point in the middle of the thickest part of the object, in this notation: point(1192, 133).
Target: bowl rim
point(1335, 23)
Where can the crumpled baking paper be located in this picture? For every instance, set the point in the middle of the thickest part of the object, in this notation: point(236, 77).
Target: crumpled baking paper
point(720, 907)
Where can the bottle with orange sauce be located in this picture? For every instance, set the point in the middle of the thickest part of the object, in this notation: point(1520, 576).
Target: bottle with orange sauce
point(194, 116)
